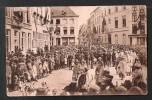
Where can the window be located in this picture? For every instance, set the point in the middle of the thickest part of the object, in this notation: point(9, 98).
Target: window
point(29, 40)
point(134, 16)
point(116, 39)
point(123, 21)
point(142, 29)
point(71, 21)
point(105, 11)
point(15, 33)
point(65, 30)
point(109, 11)
point(134, 8)
point(134, 29)
point(116, 9)
point(8, 40)
point(28, 15)
point(23, 41)
point(116, 22)
point(124, 39)
point(15, 45)
point(57, 21)
point(64, 21)
point(58, 31)
point(71, 30)
point(72, 40)
point(64, 41)
point(51, 21)
point(109, 21)
point(142, 15)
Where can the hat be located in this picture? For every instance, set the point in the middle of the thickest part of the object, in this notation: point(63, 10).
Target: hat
point(94, 89)
point(106, 72)
point(120, 90)
point(83, 61)
point(109, 76)
point(71, 87)
point(137, 65)
point(123, 57)
point(135, 91)
point(127, 84)
point(76, 61)
point(99, 58)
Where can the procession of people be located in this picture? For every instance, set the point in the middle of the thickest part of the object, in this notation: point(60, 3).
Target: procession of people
point(126, 60)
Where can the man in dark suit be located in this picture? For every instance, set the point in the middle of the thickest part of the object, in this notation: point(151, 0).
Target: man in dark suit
point(70, 57)
point(104, 58)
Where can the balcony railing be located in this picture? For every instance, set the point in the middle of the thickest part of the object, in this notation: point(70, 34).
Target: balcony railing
point(12, 22)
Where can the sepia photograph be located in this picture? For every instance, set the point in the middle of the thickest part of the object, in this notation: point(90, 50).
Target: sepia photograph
point(76, 50)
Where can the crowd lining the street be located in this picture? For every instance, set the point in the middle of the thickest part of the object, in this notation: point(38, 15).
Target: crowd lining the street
point(22, 69)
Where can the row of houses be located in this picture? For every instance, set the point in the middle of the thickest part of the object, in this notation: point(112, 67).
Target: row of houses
point(124, 25)
point(39, 27)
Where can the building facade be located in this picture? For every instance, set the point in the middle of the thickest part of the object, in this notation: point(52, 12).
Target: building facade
point(124, 25)
point(83, 32)
point(64, 26)
point(40, 17)
point(18, 34)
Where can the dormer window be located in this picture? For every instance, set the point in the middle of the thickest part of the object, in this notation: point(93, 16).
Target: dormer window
point(64, 13)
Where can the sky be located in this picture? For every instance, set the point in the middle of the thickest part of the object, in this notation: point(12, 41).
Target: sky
point(83, 12)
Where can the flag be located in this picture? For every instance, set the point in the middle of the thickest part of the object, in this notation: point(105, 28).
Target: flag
point(103, 25)
point(18, 16)
point(94, 29)
point(45, 18)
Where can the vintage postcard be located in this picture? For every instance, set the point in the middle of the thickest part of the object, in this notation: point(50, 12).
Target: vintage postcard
point(76, 50)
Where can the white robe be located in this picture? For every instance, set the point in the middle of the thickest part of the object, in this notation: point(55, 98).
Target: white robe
point(34, 71)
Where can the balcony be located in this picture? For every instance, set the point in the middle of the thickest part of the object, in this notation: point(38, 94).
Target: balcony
point(26, 26)
point(13, 24)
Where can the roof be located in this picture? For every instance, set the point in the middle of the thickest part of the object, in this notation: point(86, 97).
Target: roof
point(95, 10)
point(62, 12)
point(83, 30)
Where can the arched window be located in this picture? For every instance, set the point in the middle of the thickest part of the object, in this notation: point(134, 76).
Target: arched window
point(124, 39)
point(116, 39)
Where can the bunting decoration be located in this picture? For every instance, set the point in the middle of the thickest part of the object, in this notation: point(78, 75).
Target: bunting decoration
point(140, 16)
point(94, 29)
point(103, 25)
point(45, 18)
point(18, 16)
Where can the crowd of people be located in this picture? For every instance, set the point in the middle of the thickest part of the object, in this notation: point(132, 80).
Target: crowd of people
point(79, 59)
